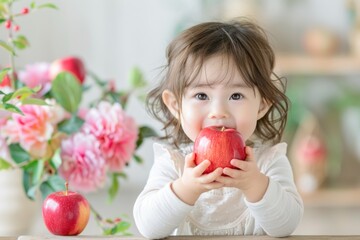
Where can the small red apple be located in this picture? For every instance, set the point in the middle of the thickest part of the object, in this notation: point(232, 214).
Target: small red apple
point(65, 213)
point(219, 146)
point(73, 65)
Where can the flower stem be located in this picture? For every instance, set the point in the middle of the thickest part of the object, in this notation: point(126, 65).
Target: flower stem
point(11, 54)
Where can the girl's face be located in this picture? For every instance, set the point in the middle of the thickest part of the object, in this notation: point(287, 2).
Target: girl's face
point(226, 101)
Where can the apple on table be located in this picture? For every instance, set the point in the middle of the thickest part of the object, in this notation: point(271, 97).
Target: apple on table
point(66, 212)
point(70, 64)
point(219, 145)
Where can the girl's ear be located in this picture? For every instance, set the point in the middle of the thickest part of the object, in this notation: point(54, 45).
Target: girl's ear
point(170, 101)
point(263, 109)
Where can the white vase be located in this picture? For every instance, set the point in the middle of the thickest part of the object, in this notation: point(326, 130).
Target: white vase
point(17, 212)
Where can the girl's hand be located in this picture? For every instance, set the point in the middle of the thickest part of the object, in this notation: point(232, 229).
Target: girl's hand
point(193, 182)
point(246, 177)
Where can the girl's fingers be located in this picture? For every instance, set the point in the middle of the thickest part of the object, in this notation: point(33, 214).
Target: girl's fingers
point(233, 173)
point(190, 160)
point(199, 169)
point(249, 154)
point(213, 185)
point(210, 177)
point(240, 164)
point(223, 180)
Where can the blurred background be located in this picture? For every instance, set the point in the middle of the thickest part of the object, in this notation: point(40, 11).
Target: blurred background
point(317, 45)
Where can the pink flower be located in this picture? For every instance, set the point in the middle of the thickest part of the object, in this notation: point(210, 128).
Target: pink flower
point(32, 130)
point(83, 165)
point(115, 130)
point(36, 74)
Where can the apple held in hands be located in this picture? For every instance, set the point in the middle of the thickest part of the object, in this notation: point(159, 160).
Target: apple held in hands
point(65, 213)
point(73, 65)
point(219, 146)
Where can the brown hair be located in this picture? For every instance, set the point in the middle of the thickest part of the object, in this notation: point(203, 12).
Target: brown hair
point(243, 42)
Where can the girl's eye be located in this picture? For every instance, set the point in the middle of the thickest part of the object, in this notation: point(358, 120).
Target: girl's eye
point(201, 96)
point(236, 96)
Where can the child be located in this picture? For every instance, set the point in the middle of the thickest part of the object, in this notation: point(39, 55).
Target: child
point(220, 74)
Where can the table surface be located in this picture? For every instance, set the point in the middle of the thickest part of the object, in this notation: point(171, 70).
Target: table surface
point(81, 237)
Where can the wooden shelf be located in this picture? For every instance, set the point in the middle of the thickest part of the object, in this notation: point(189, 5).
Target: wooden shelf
point(343, 197)
point(332, 65)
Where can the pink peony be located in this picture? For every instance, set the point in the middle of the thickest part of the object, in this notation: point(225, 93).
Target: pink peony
point(32, 130)
point(83, 165)
point(37, 74)
point(115, 130)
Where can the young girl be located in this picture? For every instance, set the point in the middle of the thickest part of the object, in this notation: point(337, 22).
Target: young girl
point(220, 74)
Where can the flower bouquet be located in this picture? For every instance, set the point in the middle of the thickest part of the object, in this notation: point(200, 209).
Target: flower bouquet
point(46, 133)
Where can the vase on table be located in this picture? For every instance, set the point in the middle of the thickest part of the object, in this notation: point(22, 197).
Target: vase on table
point(17, 212)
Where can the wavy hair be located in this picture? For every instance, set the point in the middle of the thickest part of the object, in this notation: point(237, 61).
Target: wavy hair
point(242, 42)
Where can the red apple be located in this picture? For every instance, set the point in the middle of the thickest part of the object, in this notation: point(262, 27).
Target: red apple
point(219, 146)
point(73, 65)
point(65, 213)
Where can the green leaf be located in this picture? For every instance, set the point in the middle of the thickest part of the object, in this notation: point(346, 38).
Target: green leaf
point(66, 89)
point(121, 175)
point(144, 132)
point(36, 170)
point(147, 132)
point(4, 164)
point(48, 5)
point(71, 125)
point(11, 108)
point(31, 191)
point(18, 154)
point(120, 227)
point(53, 184)
point(55, 161)
point(3, 72)
point(98, 81)
point(32, 5)
point(21, 42)
point(33, 101)
point(32, 177)
point(7, 97)
point(23, 93)
point(136, 78)
point(29, 188)
point(7, 47)
point(138, 159)
point(114, 187)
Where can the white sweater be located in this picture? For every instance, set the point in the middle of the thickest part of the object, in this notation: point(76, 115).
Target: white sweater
point(158, 212)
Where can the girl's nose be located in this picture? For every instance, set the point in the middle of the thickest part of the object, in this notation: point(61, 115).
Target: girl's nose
point(218, 111)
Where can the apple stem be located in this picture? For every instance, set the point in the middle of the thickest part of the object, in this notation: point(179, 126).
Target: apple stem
point(66, 188)
point(223, 128)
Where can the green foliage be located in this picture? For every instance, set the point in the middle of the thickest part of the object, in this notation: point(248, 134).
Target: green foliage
point(145, 132)
point(41, 173)
point(18, 154)
point(4, 164)
point(67, 91)
point(119, 228)
point(136, 78)
point(71, 125)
